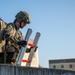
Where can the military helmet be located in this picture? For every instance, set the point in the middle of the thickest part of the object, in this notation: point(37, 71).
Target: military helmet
point(22, 15)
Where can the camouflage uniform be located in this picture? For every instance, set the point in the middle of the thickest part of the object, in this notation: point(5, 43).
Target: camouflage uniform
point(11, 42)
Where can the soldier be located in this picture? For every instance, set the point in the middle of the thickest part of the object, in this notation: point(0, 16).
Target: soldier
point(13, 36)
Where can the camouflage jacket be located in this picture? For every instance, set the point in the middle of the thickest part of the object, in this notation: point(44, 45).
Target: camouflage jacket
point(15, 36)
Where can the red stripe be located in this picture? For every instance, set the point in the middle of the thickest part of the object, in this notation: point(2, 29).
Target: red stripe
point(32, 45)
point(25, 60)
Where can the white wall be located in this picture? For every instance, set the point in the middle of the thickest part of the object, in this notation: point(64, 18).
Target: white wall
point(34, 62)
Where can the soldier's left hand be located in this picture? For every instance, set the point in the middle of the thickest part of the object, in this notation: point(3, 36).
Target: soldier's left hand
point(7, 35)
point(22, 43)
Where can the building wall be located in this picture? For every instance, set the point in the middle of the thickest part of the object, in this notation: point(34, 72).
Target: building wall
point(34, 62)
point(19, 70)
point(62, 65)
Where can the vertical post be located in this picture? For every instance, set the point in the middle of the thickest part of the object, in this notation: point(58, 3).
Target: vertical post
point(5, 54)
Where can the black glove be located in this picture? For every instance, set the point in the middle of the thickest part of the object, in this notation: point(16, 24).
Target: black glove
point(7, 35)
point(22, 43)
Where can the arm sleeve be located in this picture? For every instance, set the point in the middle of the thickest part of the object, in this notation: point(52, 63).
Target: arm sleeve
point(8, 30)
point(18, 36)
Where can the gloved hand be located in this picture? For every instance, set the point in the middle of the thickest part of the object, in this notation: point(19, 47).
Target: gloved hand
point(22, 43)
point(7, 35)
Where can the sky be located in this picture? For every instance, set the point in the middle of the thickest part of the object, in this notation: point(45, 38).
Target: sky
point(54, 19)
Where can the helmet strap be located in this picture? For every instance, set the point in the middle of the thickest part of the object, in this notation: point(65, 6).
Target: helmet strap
point(20, 24)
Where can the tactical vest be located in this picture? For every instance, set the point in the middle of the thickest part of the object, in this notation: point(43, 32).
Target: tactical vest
point(15, 35)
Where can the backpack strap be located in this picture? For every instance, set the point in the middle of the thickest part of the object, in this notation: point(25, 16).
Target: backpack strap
point(2, 24)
